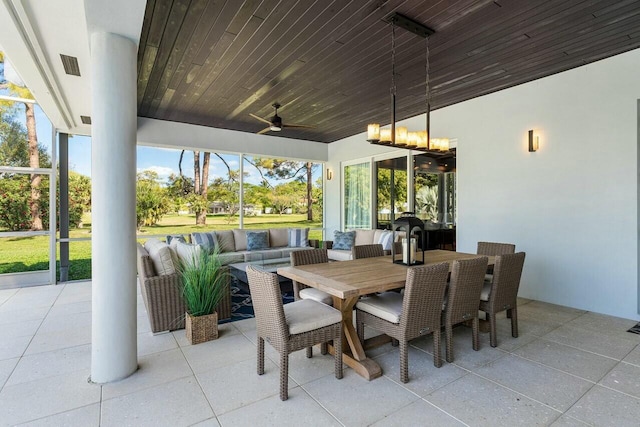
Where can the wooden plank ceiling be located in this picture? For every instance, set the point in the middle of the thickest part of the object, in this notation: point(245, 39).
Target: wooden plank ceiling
point(212, 62)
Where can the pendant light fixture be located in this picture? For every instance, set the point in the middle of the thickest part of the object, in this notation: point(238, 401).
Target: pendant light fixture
point(400, 136)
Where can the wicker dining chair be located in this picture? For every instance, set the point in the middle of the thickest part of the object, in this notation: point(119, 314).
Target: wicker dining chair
point(367, 251)
point(302, 291)
point(493, 249)
point(502, 293)
point(415, 314)
point(463, 299)
point(292, 327)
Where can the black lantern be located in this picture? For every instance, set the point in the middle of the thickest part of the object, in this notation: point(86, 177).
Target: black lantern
point(411, 226)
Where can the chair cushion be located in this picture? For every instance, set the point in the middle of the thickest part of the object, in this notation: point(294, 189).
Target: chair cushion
point(387, 306)
point(257, 240)
point(316, 295)
point(339, 255)
point(486, 291)
point(161, 256)
point(226, 242)
point(306, 315)
point(298, 237)
point(278, 237)
point(343, 240)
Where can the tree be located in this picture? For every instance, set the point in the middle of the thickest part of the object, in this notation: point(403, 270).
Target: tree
point(34, 158)
point(198, 199)
point(151, 199)
point(286, 196)
point(226, 191)
point(179, 188)
point(79, 197)
point(290, 169)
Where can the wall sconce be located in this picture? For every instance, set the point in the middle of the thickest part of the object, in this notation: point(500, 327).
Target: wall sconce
point(329, 174)
point(534, 142)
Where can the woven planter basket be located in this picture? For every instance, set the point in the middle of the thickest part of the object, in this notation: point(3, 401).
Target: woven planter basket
point(201, 328)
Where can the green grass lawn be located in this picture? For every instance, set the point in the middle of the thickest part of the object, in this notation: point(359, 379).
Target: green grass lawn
point(19, 254)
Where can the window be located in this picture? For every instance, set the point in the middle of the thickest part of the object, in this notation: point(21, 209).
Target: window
point(357, 196)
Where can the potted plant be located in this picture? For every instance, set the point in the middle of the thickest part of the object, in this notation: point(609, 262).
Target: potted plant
point(204, 281)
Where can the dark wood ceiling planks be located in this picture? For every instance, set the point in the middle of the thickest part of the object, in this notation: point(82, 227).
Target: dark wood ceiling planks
point(212, 62)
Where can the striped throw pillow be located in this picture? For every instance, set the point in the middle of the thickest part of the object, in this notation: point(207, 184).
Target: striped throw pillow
point(386, 238)
point(207, 240)
point(298, 237)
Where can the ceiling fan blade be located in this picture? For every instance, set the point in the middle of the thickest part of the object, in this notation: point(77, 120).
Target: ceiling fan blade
point(265, 130)
point(260, 118)
point(298, 126)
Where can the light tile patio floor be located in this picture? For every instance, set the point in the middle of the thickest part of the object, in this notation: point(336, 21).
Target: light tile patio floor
point(567, 368)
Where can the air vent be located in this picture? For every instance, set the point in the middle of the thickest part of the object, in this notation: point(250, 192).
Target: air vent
point(86, 120)
point(70, 64)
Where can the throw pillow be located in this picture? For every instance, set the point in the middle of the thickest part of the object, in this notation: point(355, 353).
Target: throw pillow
point(257, 240)
point(343, 239)
point(207, 240)
point(298, 237)
point(386, 239)
point(187, 254)
point(161, 258)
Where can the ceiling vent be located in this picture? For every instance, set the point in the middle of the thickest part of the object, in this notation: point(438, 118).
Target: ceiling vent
point(70, 64)
point(86, 120)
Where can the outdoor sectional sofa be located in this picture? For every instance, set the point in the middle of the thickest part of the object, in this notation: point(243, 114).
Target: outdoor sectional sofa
point(157, 263)
point(364, 237)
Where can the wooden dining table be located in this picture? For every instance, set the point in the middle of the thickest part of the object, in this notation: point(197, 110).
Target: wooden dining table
point(346, 281)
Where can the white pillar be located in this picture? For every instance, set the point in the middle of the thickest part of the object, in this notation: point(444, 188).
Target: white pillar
point(113, 210)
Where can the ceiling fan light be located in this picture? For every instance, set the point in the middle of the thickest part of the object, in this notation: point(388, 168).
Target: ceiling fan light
point(275, 128)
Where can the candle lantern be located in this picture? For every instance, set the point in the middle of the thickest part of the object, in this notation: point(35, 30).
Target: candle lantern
point(413, 229)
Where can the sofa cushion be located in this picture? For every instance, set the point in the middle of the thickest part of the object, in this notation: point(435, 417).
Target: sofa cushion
point(226, 242)
point(187, 253)
point(339, 255)
point(261, 255)
point(240, 238)
point(298, 237)
point(364, 237)
point(207, 240)
point(227, 258)
point(278, 237)
point(343, 240)
point(161, 257)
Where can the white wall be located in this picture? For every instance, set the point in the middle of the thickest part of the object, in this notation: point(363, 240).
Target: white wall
point(162, 133)
point(572, 206)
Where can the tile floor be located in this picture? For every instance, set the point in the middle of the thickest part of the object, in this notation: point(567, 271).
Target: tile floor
point(567, 368)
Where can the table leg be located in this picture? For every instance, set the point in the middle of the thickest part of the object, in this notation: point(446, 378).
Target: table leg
point(353, 353)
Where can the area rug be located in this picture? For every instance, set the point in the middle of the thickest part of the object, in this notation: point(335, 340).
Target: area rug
point(241, 306)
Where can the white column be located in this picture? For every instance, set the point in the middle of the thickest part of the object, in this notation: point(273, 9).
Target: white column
point(113, 211)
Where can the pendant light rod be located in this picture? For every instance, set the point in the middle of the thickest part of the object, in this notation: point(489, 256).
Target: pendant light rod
point(393, 83)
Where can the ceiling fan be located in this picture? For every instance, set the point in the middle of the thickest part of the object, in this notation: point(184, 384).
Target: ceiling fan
point(275, 122)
